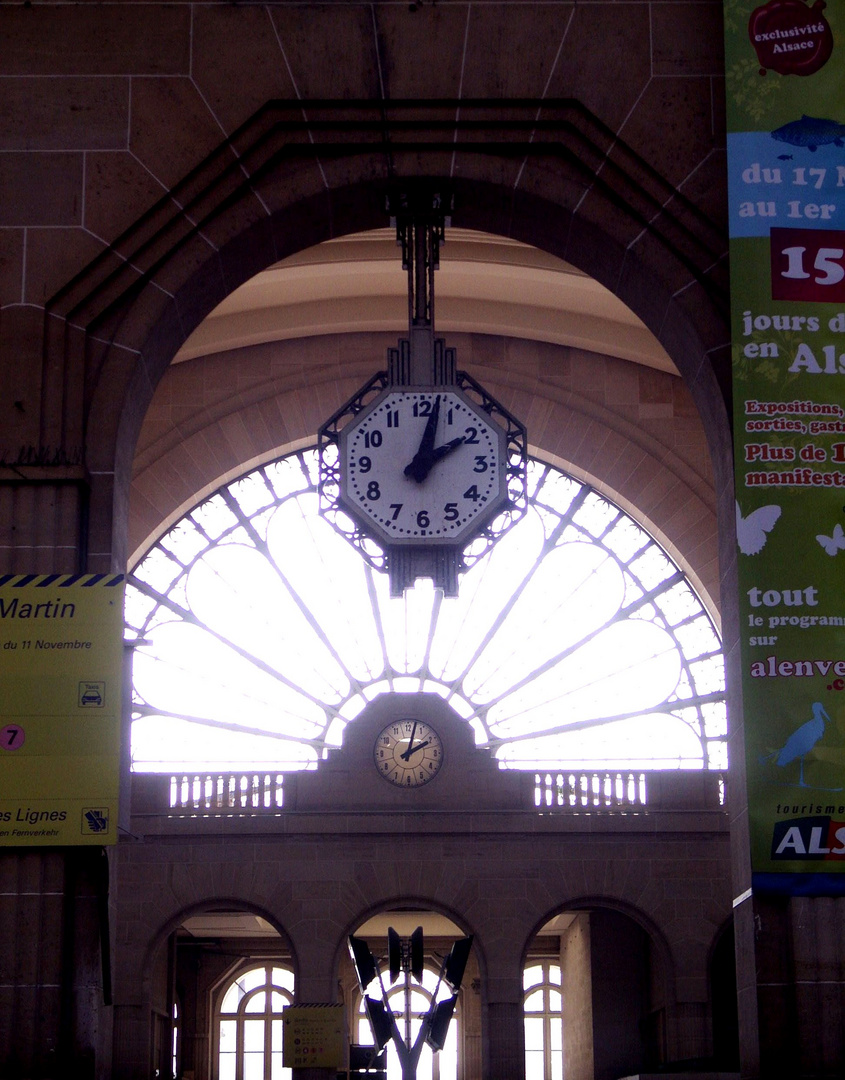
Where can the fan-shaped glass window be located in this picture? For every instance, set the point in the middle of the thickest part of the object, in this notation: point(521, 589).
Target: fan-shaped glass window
point(249, 1024)
point(575, 642)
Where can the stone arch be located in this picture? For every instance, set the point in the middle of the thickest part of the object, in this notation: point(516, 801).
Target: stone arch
point(416, 903)
point(622, 907)
point(618, 984)
point(159, 937)
point(472, 1028)
point(694, 339)
point(125, 342)
point(145, 966)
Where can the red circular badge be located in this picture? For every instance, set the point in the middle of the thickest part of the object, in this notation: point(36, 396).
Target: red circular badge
point(790, 37)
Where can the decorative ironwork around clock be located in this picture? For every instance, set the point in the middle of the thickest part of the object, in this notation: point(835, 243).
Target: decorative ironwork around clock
point(422, 470)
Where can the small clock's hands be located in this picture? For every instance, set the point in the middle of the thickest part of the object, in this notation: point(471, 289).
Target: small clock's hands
point(407, 753)
point(420, 746)
point(427, 456)
point(420, 467)
point(446, 448)
point(427, 444)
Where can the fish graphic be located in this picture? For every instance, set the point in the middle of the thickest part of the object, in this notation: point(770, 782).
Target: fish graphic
point(812, 132)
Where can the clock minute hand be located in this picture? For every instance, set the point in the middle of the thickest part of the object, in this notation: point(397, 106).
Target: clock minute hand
point(420, 467)
point(407, 753)
point(427, 444)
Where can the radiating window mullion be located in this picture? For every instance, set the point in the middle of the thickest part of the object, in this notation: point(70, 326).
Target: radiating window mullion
point(553, 661)
point(261, 546)
point(651, 596)
point(549, 544)
point(584, 725)
point(620, 688)
point(146, 709)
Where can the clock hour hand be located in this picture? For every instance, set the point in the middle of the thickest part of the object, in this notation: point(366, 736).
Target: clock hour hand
point(420, 467)
point(446, 448)
point(413, 749)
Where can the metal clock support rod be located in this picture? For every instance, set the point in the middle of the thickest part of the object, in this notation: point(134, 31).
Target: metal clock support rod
point(420, 219)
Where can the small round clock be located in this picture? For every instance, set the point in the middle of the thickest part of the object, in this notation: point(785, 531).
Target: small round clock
point(423, 466)
point(408, 753)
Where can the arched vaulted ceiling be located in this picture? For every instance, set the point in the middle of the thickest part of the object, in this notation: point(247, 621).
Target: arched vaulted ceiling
point(301, 330)
point(485, 284)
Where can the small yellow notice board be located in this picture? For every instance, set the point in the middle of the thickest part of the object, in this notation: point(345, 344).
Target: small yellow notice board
point(314, 1037)
point(61, 651)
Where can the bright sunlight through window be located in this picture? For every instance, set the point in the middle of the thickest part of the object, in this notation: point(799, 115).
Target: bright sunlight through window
point(575, 643)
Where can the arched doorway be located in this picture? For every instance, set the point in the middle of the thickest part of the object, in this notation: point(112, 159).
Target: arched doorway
point(410, 998)
point(595, 997)
point(219, 984)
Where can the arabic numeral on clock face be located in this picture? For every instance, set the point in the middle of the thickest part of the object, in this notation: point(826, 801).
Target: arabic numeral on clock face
point(422, 407)
point(396, 507)
point(423, 519)
point(373, 491)
point(472, 436)
point(373, 438)
point(364, 464)
point(480, 464)
point(450, 512)
point(472, 493)
point(393, 418)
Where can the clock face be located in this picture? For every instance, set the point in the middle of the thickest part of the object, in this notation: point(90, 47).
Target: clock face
point(408, 753)
point(423, 467)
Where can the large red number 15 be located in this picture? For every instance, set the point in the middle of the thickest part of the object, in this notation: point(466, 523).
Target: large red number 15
point(808, 264)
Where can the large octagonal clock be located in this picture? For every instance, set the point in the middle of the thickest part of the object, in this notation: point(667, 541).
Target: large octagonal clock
point(422, 470)
point(423, 465)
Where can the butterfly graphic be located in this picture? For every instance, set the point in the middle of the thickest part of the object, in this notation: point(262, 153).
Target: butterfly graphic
point(752, 531)
point(833, 543)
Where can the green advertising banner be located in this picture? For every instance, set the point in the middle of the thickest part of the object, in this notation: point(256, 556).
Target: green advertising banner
point(61, 647)
point(785, 79)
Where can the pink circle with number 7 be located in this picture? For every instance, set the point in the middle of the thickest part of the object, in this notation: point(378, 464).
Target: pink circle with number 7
point(12, 737)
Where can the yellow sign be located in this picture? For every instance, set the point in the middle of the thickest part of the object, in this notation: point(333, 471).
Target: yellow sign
point(314, 1037)
point(61, 652)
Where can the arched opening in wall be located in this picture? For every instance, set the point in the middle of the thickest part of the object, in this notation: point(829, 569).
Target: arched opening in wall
point(412, 999)
point(219, 987)
point(593, 998)
point(269, 364)
point(577, 650)
point(248, 1022)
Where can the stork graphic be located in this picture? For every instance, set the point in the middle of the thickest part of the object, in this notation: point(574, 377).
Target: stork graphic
point(802, 741)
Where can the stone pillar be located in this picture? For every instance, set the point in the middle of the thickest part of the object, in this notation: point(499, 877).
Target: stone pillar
point(800, 949)
point(132, 1041)
point(577, 983)
point(31, 940)
point(505, 1040)
point(52, 1016)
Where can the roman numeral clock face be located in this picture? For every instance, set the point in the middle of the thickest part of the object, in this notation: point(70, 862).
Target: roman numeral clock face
point(423, 467)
